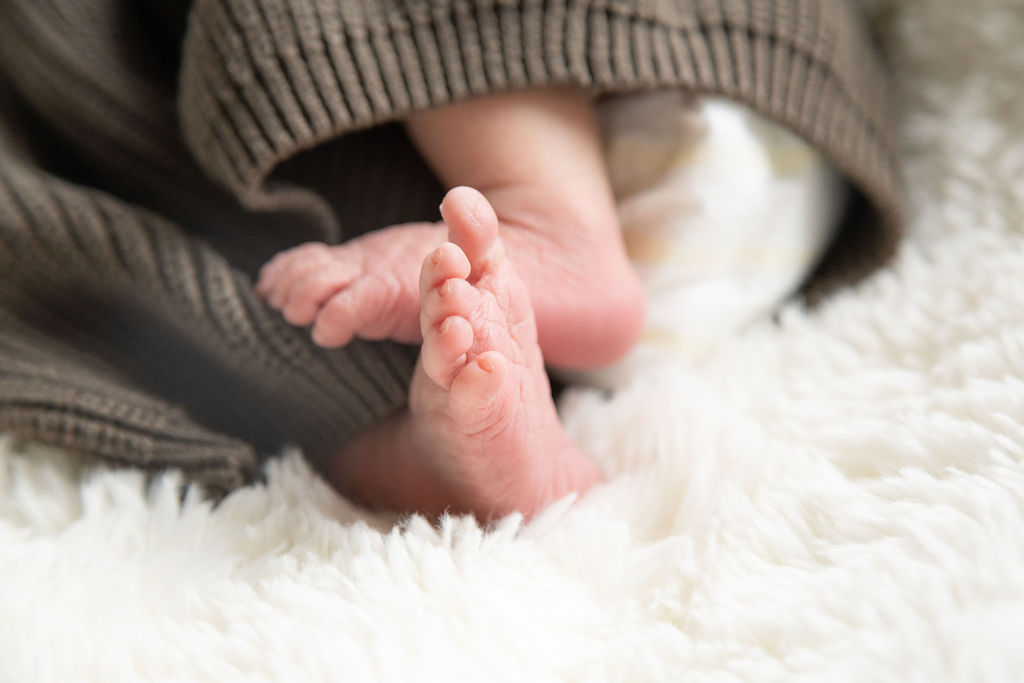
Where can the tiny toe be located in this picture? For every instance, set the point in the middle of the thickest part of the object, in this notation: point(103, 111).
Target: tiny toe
point(358, 310)
point(476, 385)
point(454, 296)
point(444, 262)
point(444, 349)
point(337, 332)
point(473, 226)
point(269, 274)
point(288, 264)
point(280, 293)
point(308, 294)
point(264, 282)
point(338, 320)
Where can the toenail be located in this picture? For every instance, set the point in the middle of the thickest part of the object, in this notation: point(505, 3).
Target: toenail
point(436, 256)
point(485, 364)
point(445, 325)
point(445, 289)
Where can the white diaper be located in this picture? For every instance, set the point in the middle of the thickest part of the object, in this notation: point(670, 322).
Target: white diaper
point(723, 213)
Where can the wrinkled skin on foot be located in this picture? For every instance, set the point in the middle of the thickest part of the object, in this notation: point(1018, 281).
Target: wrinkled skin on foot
point(481, 434)
point(366, 287)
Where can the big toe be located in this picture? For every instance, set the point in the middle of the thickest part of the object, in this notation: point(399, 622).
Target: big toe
point(473, 226)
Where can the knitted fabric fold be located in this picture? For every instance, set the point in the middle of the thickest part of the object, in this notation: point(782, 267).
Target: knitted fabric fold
point(112, 320)
point(264, 79)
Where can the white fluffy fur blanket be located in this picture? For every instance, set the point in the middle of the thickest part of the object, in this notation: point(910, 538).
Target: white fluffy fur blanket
point(836, 497)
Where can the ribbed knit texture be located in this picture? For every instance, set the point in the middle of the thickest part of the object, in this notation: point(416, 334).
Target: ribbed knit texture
point(262, 79)
point(141, 185)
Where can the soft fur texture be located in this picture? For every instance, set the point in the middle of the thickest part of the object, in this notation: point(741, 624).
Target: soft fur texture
point(839, 496)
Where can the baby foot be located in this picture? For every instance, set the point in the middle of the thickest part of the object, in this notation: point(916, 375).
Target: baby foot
point(365, 287)
point(481, 434)
point(587, 300)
